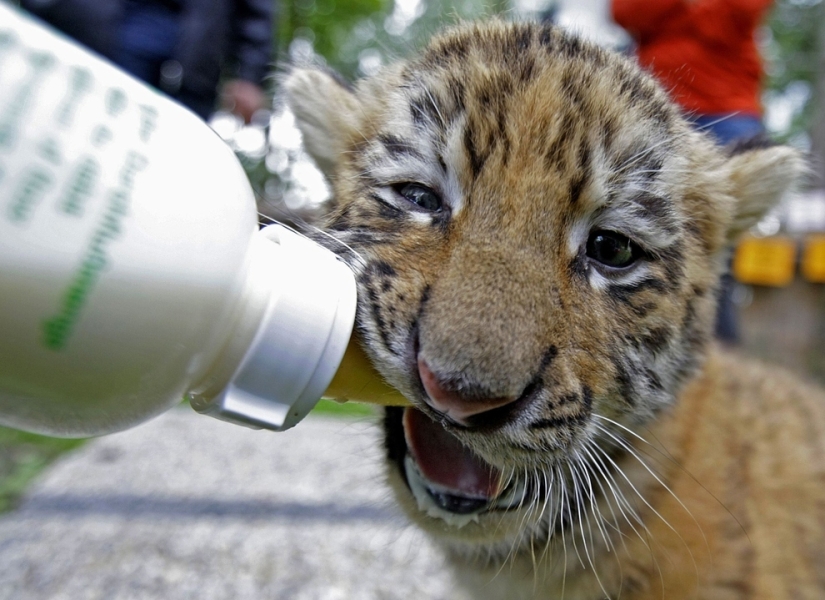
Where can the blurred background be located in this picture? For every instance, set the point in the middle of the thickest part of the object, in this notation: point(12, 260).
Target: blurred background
point(779, 270)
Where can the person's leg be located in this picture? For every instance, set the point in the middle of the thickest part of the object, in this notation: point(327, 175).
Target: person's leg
point(727, 323)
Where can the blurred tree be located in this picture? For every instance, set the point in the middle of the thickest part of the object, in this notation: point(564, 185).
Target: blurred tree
point(330, 28)
point(792, 53)
point(818, 129)
point(354, 36)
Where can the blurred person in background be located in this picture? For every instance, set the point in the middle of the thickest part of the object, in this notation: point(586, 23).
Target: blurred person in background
point(181, 47)
point(704, 53)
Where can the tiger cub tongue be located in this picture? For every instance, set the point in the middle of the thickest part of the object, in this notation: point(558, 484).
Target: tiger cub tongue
point(444, 461)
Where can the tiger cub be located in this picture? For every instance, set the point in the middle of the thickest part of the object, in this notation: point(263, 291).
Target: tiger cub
point(538, 234)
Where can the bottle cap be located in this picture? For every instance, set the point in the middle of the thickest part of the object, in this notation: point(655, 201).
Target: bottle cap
point(301, 339)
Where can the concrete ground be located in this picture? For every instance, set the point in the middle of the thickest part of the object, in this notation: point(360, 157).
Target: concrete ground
point(189, 507)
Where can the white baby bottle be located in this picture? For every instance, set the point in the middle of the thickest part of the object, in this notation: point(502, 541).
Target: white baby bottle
point(132, 271)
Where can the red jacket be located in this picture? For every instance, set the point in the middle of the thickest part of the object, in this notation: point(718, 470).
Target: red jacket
point(702, 51)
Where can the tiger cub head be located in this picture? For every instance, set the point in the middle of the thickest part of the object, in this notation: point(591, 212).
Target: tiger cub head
point(537, 235)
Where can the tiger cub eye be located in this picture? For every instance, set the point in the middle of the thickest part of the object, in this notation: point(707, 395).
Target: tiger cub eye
point(420, 195)
point(612, 249)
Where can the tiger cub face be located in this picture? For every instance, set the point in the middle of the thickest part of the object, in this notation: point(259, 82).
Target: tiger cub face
point(536, 233)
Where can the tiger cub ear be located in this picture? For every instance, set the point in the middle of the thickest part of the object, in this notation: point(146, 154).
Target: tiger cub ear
point(325, 112)
point(761, 175)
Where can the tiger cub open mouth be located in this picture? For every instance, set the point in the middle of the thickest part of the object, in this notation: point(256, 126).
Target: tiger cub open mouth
point(447, 480)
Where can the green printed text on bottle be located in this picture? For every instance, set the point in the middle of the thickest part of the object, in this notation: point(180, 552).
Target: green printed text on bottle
point(58, 328)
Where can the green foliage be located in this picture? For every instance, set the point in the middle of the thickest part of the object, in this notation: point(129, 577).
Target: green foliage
point(792, 57)
point(22, 457)
point(340, 30)
point(793, 51)
point(337, 29)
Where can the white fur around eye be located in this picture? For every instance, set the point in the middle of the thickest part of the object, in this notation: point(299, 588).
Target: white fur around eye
point(634, 274)
point(393, 198)
point(577, 238)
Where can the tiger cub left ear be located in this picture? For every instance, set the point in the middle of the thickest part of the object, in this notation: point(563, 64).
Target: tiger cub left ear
point(761, 175)
point(326, 112)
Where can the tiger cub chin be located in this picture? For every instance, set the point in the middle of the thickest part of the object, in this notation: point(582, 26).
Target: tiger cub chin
point(537, 235)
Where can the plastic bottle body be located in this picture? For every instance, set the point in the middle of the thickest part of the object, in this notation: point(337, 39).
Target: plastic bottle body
point(132, 271)
point(125, 232)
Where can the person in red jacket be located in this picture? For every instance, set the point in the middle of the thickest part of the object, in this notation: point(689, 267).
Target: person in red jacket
point(704, 53)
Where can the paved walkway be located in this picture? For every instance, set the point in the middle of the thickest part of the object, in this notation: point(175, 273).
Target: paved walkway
point(189, 507)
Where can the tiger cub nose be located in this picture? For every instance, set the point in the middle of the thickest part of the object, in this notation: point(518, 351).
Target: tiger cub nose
point(458, 406)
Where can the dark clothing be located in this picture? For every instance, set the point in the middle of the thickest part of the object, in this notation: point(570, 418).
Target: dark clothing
point(148, 36)
point(203, 38)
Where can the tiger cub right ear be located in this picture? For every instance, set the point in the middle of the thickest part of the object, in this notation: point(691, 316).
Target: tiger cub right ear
point(761, 173)
point(325, 111)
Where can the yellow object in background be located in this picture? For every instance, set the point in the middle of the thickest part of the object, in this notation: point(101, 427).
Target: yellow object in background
point(765, 261)
point(813, 259)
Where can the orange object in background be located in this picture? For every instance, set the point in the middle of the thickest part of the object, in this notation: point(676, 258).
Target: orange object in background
point(813, 259)
point(765, 261)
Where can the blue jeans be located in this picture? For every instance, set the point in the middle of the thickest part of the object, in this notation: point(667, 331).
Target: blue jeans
point(727, 128)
